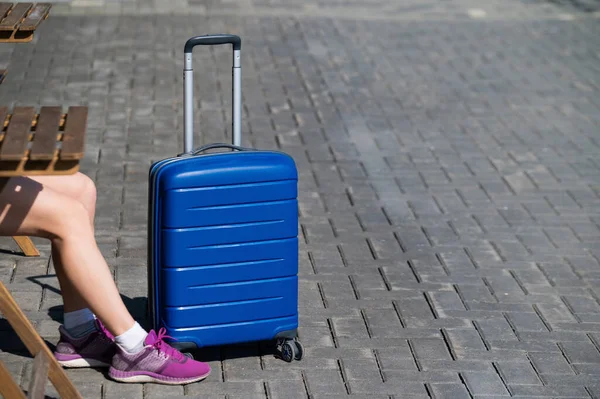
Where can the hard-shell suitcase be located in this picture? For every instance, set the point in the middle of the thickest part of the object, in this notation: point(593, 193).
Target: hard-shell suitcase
point(223, 236)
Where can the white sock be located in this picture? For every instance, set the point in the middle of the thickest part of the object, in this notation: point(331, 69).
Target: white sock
point(80, 322)
point(132, 340)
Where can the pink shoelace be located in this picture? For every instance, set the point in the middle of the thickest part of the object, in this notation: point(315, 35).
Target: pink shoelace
point(157, 341)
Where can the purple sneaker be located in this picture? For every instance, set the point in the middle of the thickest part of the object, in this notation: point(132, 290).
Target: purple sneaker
point(93, 350)
point(157, 362)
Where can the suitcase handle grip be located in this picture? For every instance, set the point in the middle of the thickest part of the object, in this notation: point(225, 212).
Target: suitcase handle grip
point(188, 79)
point(211, 40)
point(219, 145)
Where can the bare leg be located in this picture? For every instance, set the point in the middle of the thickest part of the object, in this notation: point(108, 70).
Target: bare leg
point(80, 188)
point(29, 208)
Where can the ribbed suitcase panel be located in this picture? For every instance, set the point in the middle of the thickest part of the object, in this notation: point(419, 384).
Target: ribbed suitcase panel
point(191, 280)
point(205, 206)
point(236, 302)
point(208, 230)
point(222, 334)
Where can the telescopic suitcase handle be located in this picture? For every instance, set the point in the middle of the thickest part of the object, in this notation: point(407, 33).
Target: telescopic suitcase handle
point(188, 78)
point(219, 145)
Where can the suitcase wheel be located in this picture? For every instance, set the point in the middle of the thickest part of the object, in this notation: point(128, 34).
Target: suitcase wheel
point(290, 349)
point(299, 350)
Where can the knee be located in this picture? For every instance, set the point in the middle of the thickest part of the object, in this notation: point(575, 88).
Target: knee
point(71, 220)
point(88, 193)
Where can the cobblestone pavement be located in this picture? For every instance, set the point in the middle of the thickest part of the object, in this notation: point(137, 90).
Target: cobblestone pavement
point(449, 168)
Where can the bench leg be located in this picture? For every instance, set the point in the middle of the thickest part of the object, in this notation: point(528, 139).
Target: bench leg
point(39, 375)
point(8, 386)
point(35, 344)
point(27, 246)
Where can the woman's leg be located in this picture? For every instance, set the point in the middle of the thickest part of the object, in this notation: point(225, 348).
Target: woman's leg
point(80, 188)
point(29, 208)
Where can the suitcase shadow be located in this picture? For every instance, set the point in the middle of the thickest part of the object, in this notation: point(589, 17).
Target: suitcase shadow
point(138, 307)
point(235, 351)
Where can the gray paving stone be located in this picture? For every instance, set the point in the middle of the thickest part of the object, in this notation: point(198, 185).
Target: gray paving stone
point(581, 352)
point(114, 390)
point(440, 391)
point(544, 391)
point(496, 329)
point(485, 384)
point(546, 363)
point(518, 373)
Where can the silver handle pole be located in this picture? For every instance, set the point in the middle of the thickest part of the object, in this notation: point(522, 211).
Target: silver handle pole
point(188, 103)
point(236, 123)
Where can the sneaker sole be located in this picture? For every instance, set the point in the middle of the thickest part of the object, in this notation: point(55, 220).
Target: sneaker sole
point(82, 363)
point(147, 376)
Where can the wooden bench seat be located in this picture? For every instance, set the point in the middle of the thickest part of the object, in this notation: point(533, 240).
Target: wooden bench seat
point(18, 21)
point(48, 142)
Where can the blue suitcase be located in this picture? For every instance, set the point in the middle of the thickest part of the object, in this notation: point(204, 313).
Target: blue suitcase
point(223, 236)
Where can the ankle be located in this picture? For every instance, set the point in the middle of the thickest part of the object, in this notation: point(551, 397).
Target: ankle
point(132, 340)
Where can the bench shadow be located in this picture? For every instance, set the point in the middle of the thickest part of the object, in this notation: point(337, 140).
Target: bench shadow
point(13, 191)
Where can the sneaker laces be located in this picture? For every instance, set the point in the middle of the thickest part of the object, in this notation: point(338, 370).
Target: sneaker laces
point(162, 346)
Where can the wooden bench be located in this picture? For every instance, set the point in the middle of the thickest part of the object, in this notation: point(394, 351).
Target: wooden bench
point(19, 21)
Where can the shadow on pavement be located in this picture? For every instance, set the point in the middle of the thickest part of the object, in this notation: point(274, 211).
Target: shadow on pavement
point(11, 343)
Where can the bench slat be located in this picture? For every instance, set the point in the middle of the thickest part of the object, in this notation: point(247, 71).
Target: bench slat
point(75, 128)
point(3, 114)
point(15, 141)
point(4, 8)
point(44, 141)
point(17, 14)
point(36, 16)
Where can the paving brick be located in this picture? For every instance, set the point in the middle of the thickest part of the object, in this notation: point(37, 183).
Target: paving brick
point(496, 329)
point(324, 381)
point(286, 389)
point(550, 363)
point(442, 301)
point(430, 349)
point(581, 352)
point(398, 358)
point(457, 391)
point(526, 322)
point(392, 387)
point(462, 340)
point(114, 390)
point(456, 365)
point(487, 384)
point(544, 391)
point(216, 388)
point(518, 373)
